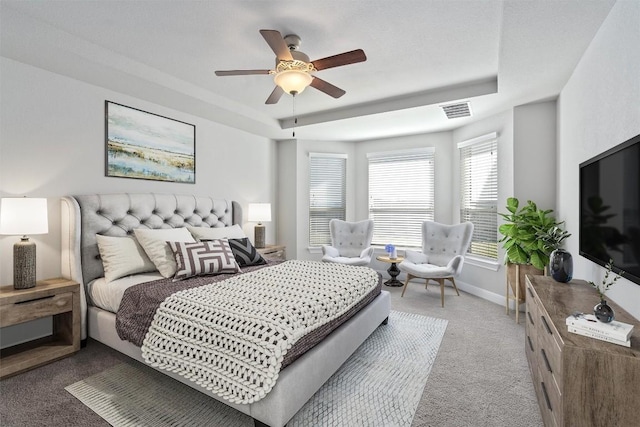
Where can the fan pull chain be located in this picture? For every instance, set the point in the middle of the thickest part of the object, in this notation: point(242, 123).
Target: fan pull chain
point(295, 119)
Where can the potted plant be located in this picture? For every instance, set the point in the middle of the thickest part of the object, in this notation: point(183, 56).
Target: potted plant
point(602, 310)
point(525, 252)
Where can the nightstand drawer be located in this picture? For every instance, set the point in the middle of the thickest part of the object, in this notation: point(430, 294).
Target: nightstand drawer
point(273, 252)
point(36, 308)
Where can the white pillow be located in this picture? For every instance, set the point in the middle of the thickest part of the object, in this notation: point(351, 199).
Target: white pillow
point(211, 233)
point(155, 245)
point(122, 256)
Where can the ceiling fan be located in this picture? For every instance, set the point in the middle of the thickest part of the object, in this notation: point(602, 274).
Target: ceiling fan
point(293, 71)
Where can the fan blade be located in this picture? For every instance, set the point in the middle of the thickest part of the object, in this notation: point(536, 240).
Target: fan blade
point(340, 59)
point(240, 72)
point(277, 44)
point(326, 87)
point(275, 95)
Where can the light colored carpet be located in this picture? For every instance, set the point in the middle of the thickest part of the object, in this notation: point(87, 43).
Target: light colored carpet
point(480, 377)
point(380, 384)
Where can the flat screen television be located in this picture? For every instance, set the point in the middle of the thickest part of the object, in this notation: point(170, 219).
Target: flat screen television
point(610, 208)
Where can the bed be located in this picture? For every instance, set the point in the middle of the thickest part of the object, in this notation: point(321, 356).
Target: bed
point(84, 217)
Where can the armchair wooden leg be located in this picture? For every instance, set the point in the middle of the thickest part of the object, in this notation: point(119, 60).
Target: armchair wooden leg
point(454, 285)
point(441, 281)
point(409, 277)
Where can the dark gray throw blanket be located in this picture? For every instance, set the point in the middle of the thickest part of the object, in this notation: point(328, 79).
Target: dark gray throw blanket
point(140, 302)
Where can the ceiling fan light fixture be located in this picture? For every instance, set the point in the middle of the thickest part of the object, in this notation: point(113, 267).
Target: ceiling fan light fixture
point(293, 81)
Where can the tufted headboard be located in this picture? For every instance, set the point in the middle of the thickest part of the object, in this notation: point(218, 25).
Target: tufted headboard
point(83, 217)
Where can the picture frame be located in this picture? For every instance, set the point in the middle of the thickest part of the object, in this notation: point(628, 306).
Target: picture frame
point(144, 145)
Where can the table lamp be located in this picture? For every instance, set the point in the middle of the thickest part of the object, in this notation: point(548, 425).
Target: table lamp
point(22, 216)
point(259, 212)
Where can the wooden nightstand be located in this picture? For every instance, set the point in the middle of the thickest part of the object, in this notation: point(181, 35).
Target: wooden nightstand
point(59, 298)
point(274, 252)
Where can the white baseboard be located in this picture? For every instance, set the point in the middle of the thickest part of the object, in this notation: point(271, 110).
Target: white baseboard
point(473, 290)
point(487, 295)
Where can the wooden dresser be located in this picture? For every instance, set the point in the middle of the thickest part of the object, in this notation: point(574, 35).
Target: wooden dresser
point(579, 381)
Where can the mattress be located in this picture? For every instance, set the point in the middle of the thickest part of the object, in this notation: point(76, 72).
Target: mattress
point(108, 296)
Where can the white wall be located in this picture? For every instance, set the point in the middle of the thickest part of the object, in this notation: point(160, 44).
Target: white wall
point(287, 184)
point(52, 144)
point(599, 108)
point(534, 163)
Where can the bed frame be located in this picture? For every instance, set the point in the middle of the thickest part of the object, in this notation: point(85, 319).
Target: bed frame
point(85, 216)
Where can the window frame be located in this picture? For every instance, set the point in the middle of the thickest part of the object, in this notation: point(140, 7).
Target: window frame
point(386, 230)
point(486, 227)
point(314, 239)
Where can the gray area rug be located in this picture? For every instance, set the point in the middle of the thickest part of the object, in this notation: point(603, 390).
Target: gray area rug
point(380, 384)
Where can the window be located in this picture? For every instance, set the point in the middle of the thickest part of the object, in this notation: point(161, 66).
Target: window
point(401, 195)
point(479, 192)
point(327, 194)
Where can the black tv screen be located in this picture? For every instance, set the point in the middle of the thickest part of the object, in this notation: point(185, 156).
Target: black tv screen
point(610, 208)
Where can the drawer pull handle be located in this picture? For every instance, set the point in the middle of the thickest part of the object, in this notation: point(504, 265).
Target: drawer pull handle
point(546, 396)
point(530, 292)
point(546, 325)
point(546, 361)
point(530, 343)
point(530, 318)
point(33, 300)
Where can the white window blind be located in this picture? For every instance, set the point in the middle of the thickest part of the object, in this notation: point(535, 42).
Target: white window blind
point(401, 195)
point(479, 192)
point(327, 194)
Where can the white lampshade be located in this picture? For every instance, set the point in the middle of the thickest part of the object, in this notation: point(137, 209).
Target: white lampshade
point(23, 216)
point(293, 81)
point(259, 212)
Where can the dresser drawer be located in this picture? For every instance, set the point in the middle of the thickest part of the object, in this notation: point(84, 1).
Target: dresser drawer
point(31, 309)
point(550, 349)
point(551, 402)
point(531, 345)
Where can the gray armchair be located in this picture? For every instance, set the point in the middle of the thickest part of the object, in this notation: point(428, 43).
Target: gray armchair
point(350, 242)
point(443, 250)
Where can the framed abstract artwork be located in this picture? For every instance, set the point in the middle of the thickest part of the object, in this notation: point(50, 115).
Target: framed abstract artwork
point(144, 145)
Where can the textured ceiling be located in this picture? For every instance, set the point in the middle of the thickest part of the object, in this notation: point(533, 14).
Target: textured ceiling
point(420, 54)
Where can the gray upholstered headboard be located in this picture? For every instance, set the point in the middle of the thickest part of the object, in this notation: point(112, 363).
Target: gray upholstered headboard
point(85, 216)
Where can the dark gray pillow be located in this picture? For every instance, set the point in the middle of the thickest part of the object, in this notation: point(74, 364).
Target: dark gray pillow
point(245, 253)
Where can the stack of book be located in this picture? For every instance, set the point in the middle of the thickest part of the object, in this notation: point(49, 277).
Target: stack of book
point(614, 332)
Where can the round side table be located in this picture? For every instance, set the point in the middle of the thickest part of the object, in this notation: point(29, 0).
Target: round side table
point(393, 270)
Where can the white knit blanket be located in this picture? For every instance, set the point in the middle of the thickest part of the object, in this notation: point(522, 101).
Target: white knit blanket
point(231, 337)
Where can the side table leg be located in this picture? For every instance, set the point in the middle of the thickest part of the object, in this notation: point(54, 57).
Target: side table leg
point(393, 271)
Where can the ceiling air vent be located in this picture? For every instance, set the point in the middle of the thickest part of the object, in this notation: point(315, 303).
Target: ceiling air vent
point(457, 110)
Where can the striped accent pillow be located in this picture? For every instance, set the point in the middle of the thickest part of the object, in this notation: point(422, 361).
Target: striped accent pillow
point(244, 252)
point(203, 258)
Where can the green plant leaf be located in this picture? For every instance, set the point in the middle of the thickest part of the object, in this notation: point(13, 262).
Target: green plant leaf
point(538, 261)
point(517, 255)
